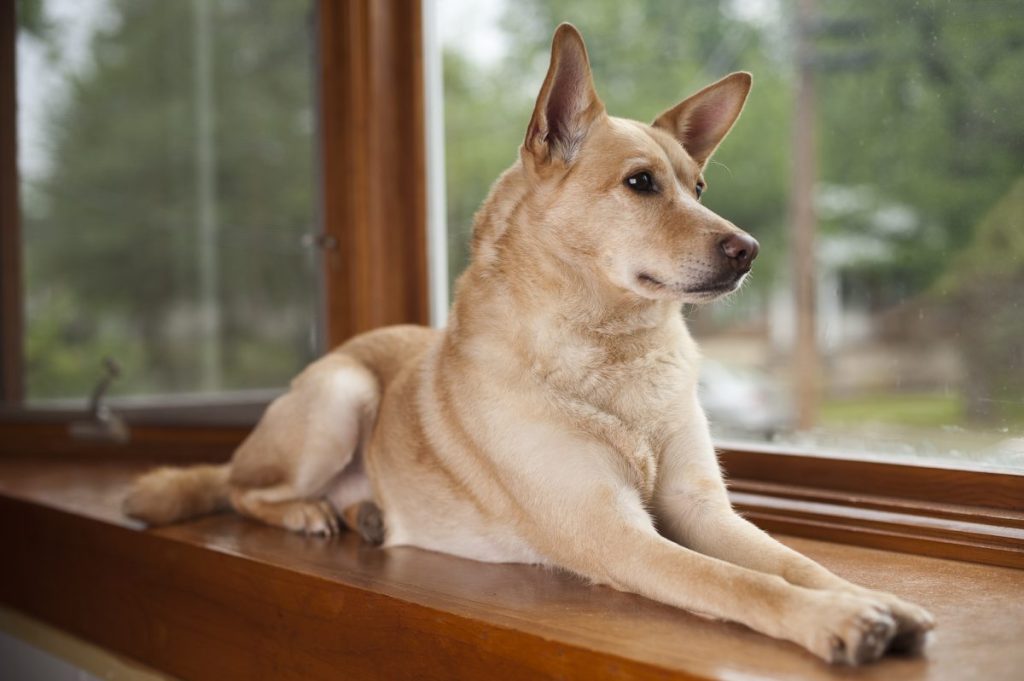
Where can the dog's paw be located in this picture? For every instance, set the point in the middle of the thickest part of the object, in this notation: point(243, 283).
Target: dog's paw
point(367, 519)
point(912, 621)
point(312, 517)
point(850, 629)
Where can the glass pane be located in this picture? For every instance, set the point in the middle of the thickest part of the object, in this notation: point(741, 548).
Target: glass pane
point(166, 155)
point(916, 186)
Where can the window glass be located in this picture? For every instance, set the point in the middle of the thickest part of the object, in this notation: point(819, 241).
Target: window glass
point(915, 182)
point(166, 159)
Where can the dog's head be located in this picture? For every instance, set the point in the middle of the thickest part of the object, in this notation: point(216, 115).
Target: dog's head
point(623, 197)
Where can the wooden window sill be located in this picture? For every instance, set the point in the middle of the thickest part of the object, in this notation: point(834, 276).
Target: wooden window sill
point(223, 597)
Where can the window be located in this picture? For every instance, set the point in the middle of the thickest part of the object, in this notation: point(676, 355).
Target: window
point(361, 259)
point(894, 124)
point(168, 192)
point(201, 197)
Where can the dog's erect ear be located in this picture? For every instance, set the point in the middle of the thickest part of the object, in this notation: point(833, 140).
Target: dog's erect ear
point(567, 104)
point(701, 121)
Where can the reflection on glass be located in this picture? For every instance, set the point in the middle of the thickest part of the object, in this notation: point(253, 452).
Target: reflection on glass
point(915, 186)
point(167, 180)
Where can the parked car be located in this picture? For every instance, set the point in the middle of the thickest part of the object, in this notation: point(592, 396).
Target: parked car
point(743, 402)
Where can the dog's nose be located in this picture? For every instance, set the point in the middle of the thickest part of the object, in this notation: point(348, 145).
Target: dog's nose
point(740, 249)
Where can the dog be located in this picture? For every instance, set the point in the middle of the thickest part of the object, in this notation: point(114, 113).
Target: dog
point(555, 421)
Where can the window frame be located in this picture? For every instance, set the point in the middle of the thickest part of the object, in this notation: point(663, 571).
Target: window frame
point(372, 142)
point(10, 233)
point(368, 61)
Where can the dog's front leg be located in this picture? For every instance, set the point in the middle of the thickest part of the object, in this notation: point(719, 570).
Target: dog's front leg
point(693, 508)
point(610, 538)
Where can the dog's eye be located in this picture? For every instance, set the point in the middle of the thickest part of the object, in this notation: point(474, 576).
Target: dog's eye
point(700, 190)
point(641, 182)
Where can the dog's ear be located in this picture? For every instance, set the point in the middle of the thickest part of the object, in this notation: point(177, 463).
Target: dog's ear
point(701, 121)
point(568, 103)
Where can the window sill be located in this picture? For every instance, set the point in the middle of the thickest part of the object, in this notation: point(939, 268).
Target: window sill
point(938, 530)
point(877, 504)
point(227, 598)
point(960, 514)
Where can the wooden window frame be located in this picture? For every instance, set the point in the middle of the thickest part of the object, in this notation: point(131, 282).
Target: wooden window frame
point(11, 305)
point(375, 264)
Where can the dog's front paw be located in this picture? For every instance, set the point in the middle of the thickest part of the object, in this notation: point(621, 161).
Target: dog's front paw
point(851, 629)
point(912, 621)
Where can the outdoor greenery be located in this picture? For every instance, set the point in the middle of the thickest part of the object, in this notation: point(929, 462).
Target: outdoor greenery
point(930, 410)
point(919, 137)
point(920, 188)
point(112, 252)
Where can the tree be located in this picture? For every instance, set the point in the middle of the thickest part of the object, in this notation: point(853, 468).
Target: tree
point(924, 113)
point(984, 287)
point(110, 231)
point(646, 57)
point(918, 130)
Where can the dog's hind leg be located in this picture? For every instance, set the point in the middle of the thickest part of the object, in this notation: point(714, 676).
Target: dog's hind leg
point(307, 516)
point(299, 451)
point(367, 519)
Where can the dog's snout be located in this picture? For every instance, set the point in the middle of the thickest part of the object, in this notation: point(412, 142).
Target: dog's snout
point(740, 249)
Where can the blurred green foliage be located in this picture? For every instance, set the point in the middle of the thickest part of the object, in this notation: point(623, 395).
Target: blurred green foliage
point(985, 285)
point(110, 228)
point(919, 136)
point(646, 57)
point(920, 139)
point(904, 409)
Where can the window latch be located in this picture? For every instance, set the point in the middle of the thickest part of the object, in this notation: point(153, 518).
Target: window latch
point(324, 241)
point(103, 424)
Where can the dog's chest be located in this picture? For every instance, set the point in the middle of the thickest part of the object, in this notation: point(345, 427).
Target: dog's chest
point(623, 401)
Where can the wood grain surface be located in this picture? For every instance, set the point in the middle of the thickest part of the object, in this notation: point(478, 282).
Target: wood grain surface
point(41, 440)
point(11, 302)
point(373, 165)
point(927, 481)
point(225, 598)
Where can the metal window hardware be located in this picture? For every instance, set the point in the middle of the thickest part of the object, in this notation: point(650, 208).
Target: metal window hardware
point(324, 242)
point(103, 423)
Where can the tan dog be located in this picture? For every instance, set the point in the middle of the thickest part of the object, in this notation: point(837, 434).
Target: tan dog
point(555, 420)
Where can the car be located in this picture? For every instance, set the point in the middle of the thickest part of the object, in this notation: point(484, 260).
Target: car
point(743, 402)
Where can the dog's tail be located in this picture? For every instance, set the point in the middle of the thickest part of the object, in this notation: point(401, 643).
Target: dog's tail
point(168, 495)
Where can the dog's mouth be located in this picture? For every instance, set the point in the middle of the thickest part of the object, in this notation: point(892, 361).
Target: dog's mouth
point(649, 281)
point(706, 292)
